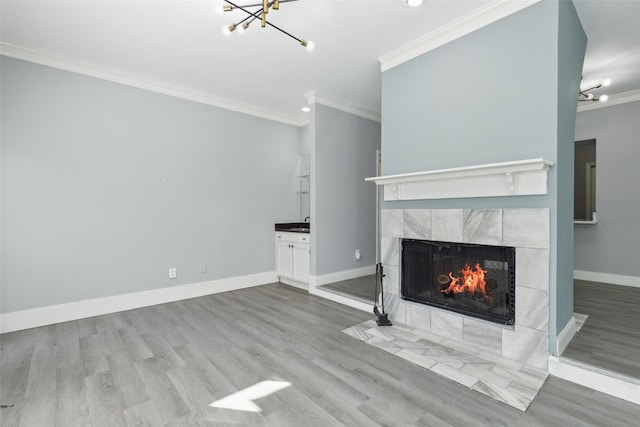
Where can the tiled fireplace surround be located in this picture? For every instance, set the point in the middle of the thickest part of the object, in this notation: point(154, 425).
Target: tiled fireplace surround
point(525, 229)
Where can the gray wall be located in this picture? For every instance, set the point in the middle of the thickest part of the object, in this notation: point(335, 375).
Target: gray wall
point(472, 101)
point(613, 244)
point(105, 187)
point(572, 42)
point(343, 204)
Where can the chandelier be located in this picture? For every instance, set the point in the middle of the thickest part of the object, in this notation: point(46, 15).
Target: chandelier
point(586, 95)
point(258, 11)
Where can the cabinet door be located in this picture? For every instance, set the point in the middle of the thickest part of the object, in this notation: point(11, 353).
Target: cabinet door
point(301, 262)
point(284, 259)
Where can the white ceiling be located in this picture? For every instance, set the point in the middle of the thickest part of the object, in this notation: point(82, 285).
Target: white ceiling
point(179, 44)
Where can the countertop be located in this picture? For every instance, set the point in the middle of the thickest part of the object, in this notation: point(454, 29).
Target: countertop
point(294, 227)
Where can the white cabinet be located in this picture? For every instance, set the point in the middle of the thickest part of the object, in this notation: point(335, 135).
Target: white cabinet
point(292, 257)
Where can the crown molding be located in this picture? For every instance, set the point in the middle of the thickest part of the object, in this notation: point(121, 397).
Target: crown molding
point(489, 14)
point(86, 68)
point(315, 97)
point(620, 98)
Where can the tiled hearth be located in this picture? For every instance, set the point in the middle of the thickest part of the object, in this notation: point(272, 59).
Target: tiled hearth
point(502, 379)
point(524, 344)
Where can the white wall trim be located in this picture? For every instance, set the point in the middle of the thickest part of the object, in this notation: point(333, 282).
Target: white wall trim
point(78, 66)
point(566, 335)
point(33, 318)
point(341, 275)
point(597, 379)
point(315, 97)
point(489, 14)
point(516, 178)
point(617, 99)
point(340, 299)
point(613, 279)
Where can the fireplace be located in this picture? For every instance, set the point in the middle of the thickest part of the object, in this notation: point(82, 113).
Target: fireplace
point(472, 279)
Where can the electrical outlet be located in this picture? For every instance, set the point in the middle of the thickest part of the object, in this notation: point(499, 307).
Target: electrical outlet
point(173, 273)
point(358, 254)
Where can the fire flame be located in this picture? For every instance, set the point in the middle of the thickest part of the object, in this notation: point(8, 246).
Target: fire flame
point(471, 282)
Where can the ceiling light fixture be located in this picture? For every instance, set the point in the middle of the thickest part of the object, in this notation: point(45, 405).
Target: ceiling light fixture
point(586, 95)
point(261, 11)
point(413, 3)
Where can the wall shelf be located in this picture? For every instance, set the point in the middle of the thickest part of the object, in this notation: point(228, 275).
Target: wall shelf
point(516, 178)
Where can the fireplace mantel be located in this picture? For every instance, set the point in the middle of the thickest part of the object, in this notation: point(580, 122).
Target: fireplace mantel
point(517, 178)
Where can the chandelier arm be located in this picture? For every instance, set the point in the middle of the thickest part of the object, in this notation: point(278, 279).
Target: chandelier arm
point(254, 5)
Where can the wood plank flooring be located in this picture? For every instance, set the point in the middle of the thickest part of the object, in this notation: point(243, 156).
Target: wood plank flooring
point(164, 365)
point(361, 288)
point(610, 338)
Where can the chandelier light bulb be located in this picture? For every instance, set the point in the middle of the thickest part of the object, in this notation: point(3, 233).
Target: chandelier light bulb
point(308, 45)
point(306, 109)
point(603, 98)
point(225, 31)
point(606, 82)
point(219, 8)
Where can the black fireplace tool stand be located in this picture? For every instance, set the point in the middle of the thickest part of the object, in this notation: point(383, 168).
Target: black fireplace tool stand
point(382, 318)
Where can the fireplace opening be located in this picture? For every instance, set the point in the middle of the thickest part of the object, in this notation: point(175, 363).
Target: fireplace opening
point(476, 280)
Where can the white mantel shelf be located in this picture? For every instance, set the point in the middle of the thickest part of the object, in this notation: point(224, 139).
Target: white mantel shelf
point(517, 178)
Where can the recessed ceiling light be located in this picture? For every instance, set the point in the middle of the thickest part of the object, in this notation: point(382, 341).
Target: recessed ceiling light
point(413, 3)
point(306, 109)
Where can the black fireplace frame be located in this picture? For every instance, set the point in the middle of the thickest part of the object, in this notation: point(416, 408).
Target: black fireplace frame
point(508, 255)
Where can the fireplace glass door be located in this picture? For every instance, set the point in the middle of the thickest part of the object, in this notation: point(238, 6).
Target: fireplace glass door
point(477, 280)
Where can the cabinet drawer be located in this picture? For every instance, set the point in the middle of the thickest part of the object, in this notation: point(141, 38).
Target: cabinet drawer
point(292, 237)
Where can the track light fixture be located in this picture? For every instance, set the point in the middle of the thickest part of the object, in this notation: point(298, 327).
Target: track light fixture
point(260, 12)
point(586, 95)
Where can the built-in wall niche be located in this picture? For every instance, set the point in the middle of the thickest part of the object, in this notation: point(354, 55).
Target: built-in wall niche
point(584, 196)
point(304, 192)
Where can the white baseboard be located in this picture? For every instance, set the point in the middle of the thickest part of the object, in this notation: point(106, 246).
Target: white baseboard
point(566, 335)
point(35, 317)
point(607, 382)
point(294, 283)
point(350, 302)
point(341, 275)
point(614, 279)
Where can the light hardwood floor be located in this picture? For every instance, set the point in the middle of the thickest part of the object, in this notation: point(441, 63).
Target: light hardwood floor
point(164, 365)
point(610, 338)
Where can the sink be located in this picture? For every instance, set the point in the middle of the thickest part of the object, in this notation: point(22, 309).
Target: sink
point(295, 227)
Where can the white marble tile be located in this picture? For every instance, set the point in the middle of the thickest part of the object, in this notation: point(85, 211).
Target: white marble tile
point(482, 226)
point(486, 375)
point(454, 374)
point(526, 345)
point(446, 225)
point(532, 308)
point(391, 280)
point(525, 380)
point(391, 223)
point(526, 228)
point(446, 324)
point(461, 346)
point(428, 336)
point(532, 268)
point(418, 316)
point(525, 392)
point(580, 320)
point(417, 224)
point(501, 361)
point(358, 332)
point(380, 332)
point(502, 394)
point(390, 247)
point(394, 307)
point(418, 359)
point(382, 344)
point(488, 337)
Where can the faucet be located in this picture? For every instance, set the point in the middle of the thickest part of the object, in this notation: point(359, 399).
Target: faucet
point(307, 219)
